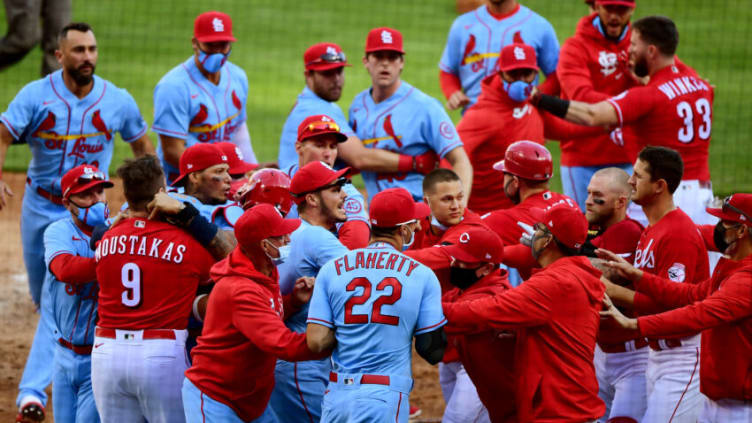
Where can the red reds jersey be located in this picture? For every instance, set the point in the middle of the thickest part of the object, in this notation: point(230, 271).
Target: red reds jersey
point(148, 273)
point(593, 68)
point(722, 308)
point(490, 126)
point(674, 110)
point(672, 248)
point(620, 238)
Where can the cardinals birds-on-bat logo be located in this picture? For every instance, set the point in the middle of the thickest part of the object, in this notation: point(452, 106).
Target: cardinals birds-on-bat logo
point(47, 124)
point(236, 101)
point(96, 120)
point(469, 47)
point(390, 130)
point(201, 116)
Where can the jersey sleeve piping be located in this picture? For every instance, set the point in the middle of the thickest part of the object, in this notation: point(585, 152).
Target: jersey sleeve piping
point(429, 328)
point(321, 322)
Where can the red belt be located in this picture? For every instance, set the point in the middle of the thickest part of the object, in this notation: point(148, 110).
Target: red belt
point(365, 379)
point(78, 349)
point(52, 198)
point(670, 343)
point(147, 333)
point(624, 346)
point(705, 184)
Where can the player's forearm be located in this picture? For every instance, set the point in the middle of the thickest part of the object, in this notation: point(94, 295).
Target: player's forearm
point(222, 244)
point(74, 269)
point(356, 155)
point(462, 167)
point(6, 139)
point(142, 147)
point(319, 338)
point(172, 148)
point(242, 139)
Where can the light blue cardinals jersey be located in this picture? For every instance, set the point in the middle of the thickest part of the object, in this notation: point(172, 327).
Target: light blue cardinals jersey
point(376, 299)
point(307, 104)
point(74, 306)
point(64, 131)
point(188, 106)
point(476, 39)
point(355, 204)
point(310, 248)
point(409, 122)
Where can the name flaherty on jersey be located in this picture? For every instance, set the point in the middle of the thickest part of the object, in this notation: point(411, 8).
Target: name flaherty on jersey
point(141, 246)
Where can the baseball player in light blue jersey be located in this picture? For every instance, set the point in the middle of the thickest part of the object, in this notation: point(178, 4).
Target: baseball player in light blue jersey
point(71, 283)
point(68, 118)
point(396, 116)
point(317, 189)
point(202, 100)
point(475, 40)
point(325, 77)
point(368, 304)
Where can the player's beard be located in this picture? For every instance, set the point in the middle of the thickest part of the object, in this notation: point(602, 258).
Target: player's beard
point(640, 67)
point(333, 214)
point(80, 78)
point(514, 198)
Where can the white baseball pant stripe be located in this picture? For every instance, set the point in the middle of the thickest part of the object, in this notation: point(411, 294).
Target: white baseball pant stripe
point(462, 402)
point(673, 384)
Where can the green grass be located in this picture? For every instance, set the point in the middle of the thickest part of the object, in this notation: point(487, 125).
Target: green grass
point(141, 40)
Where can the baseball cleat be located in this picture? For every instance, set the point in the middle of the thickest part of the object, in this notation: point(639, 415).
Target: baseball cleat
point(30, 413)
point(414, 412)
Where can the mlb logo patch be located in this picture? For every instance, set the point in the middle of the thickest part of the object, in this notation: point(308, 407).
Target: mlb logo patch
point(677, 272)
point(139, 224)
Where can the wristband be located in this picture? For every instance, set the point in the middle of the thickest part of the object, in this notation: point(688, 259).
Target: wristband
point(554, 105)
point(406, 163)
point(183, 217)
point(195, 307)
point(202, 230)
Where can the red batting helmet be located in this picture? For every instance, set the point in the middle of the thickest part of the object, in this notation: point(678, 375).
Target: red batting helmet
point(527, 160)
point(270, 186)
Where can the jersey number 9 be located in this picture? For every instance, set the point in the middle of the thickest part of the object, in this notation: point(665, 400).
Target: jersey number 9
point(130, 276)
point(383, 299)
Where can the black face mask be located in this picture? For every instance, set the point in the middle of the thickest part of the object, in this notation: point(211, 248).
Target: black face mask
point(719, 237)
point(463, 278)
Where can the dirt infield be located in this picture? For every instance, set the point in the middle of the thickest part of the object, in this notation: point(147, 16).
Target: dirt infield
point(19, 319)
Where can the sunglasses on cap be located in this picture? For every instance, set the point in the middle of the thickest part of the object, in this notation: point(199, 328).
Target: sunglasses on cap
point(91, 176)
point(323, 126)
point(727, 206)
point(329, 57)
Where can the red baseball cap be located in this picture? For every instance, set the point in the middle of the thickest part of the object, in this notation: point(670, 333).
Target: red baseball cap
point(517, 56)
point(199, 157)
point(384, 38)
point(324, 56)
point(628, 3)
point(392, 207)
point(422, 210)
point(477, 245)
point(213, 26)
point(313, 177)
point(565, 222)
point(81, 178)
point(319, 125)
point(735, 208)
point(235, 159)
point(261, 222)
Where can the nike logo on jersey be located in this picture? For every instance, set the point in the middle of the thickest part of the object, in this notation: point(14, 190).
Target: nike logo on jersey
point(194, 95)
point(98, 345)
point(47, 102)
point(75, 238)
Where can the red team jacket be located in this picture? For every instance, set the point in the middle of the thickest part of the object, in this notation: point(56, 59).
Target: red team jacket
point(621, 238)
point(557, 314)
point(592, 69)
point(148, 273)
point(674, 110)
point(487, 357)
point(242, 338)
point(493, 123)
point(723, 305)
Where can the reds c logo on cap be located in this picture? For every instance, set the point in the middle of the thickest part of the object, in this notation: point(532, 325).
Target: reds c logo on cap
point(465, 238)
point(519, 53)
point(386, 37)
point(218, 25)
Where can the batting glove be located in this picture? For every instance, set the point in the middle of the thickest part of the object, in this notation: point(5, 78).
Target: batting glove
point(527, 234)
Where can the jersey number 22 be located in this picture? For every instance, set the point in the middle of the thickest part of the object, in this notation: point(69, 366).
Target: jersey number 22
point(382, 300)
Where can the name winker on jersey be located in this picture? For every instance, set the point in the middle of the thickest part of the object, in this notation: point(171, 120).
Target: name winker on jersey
point(141, 246)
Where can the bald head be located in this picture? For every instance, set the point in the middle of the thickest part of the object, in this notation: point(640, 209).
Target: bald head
point(608, 197)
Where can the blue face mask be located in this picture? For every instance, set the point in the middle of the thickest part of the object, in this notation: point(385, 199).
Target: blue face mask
point(96, 214)
point(519, 91)
point(212, 62)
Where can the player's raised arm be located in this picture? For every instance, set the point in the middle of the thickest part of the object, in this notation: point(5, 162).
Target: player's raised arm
point(598, 114)
point(6, 139)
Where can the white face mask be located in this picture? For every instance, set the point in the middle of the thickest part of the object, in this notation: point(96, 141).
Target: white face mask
point(406, 245)
point(283, 252)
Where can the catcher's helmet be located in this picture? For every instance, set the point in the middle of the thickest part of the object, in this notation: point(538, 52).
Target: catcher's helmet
point(527, 160)
point(270, 186)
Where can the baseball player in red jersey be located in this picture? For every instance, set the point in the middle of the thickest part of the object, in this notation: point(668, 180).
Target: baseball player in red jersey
point(148, 273)
point(502, 116)
point(444, 193)
point(232, 375)
point(673, 110)
point(556, 313)
point(487, 356)
point(620, 355)
point(527, 168)
point(670, 247)
point(593, 67)
point(720, 306)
